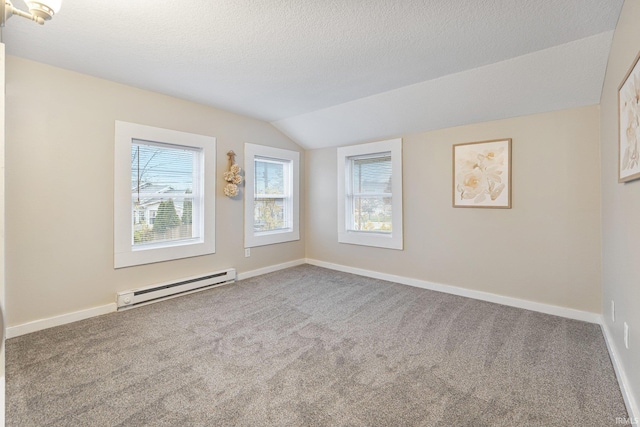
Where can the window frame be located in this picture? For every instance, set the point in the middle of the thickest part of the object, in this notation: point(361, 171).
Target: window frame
point(392, 240)
point(126, 254)
point(251, 237)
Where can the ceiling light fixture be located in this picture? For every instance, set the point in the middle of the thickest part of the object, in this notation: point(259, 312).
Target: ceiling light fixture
point(39, 11)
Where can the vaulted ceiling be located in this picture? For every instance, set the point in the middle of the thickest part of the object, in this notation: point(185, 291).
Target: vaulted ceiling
point(337, 72)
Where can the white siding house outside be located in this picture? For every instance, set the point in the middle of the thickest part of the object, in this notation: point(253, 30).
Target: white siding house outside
point(148, 200)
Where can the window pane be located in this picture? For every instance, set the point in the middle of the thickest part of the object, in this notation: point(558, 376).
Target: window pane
point(372, 213)
point(270, 176)
point(269, 214)
point(271, 195)
point(162, 185)
point(370, 190)
point(372, 174)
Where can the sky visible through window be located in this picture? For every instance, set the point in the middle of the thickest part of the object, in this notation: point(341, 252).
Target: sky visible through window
point(269, 177)
point(161, 165)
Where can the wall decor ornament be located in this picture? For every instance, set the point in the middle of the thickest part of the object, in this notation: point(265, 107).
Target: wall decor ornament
point(629, 124)
point(232, 176)
point(482, 174)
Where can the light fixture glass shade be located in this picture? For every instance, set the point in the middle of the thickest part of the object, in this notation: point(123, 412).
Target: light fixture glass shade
point(45, 9)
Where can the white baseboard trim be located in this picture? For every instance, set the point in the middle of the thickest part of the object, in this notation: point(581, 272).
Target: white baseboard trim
point(569, 313)
point(38, 325)
point(2, 400)
point(270, 269)
point(50, 322)
point(623, 381)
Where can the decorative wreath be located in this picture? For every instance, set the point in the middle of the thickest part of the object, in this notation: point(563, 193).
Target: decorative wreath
point(232, 176)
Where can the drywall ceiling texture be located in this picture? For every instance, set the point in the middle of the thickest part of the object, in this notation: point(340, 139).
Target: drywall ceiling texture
point(553, 79)
point(620, 208)
point(290, 62)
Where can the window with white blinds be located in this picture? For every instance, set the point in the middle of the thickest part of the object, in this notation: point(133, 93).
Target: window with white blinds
point(271, 196)
point(165, 192)
point(370, 194)
point(164, 199)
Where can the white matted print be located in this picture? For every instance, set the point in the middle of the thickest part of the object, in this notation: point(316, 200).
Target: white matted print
point(629, 125)
point(482, 174)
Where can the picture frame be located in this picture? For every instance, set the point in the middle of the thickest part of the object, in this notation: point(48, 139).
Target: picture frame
point(629, 124)
point(482, 174)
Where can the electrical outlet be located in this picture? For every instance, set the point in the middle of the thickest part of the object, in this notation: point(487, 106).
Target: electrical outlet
point(626, 335)
point(247, 252)
point(613, 311)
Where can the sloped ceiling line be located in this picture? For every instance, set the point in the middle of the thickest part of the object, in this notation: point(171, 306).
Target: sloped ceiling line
point(334, 72)
point(557, 78)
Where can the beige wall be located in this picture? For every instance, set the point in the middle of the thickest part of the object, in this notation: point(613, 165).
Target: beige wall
point(59, 189)
point(621, 208)
point(545, 249)
point(2, 225)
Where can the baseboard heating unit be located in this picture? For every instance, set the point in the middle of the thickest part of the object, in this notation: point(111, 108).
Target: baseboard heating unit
point(162, 291)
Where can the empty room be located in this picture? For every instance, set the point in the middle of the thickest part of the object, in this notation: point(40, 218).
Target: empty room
point(320, 213)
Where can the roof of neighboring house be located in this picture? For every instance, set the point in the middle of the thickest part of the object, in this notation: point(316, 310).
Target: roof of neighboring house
point(153, 194)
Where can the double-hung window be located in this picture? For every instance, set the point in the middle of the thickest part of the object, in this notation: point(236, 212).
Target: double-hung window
point(271, 196)
point(370, 194)
point(165, 185)
point(161, 208)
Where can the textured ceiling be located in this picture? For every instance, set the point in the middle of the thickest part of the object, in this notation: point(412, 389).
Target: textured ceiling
point(336, 71)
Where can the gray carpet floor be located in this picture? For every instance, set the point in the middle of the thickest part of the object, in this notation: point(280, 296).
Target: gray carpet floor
point(308, 346)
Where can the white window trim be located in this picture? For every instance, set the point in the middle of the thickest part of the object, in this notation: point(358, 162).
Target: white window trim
point(393, 240)
point(252, 239)
point(125, 254)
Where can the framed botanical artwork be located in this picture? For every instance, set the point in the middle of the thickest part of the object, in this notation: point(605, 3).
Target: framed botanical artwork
point(482, 174)
point(629, 124)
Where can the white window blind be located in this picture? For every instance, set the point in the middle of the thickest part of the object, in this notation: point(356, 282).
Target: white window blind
point(369, 196)
point(164, 192)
